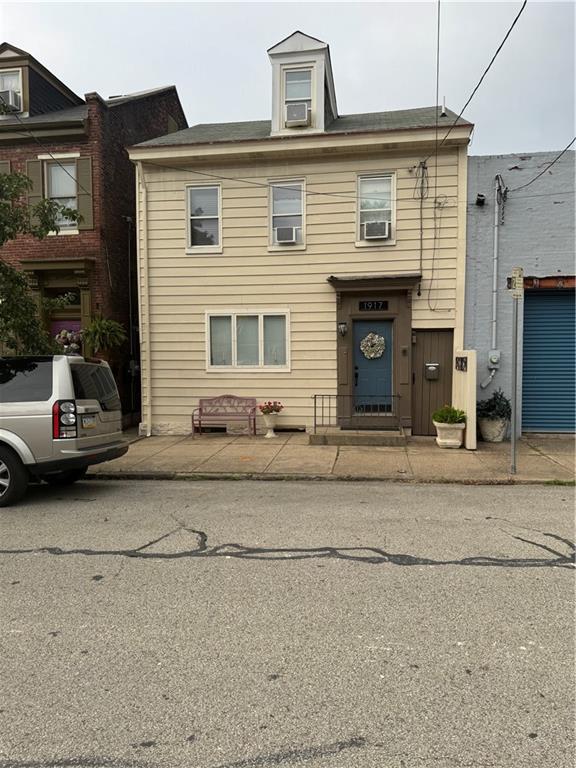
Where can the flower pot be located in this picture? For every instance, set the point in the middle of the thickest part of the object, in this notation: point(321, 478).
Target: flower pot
point(449, 435)
point(493, 430)
point(270, 420)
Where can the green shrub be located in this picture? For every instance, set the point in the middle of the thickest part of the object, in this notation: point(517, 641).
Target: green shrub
point(495, 407)
point(449, 415)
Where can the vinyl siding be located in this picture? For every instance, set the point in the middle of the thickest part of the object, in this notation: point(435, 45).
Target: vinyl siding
point(183, 286)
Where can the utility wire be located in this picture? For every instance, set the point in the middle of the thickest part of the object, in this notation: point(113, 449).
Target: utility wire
point(479, 83)
point(435, 202)
point(528, 197)
point(28, 132)
point(545, 169)
point(268, 185)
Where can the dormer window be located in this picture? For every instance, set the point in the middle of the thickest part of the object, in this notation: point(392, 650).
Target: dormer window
point(303, 97)
point(297, 97)
point(10, 91)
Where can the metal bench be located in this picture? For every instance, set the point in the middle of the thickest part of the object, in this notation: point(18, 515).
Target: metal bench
point(222, 409)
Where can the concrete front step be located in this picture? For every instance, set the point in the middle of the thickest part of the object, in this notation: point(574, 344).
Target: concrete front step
point(358, 437)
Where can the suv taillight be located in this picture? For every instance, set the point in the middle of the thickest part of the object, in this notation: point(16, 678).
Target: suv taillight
point(64, 419)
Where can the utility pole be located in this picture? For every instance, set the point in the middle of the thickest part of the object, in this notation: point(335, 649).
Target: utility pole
point(517, 290)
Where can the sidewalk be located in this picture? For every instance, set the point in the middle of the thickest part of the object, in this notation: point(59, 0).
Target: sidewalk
point(540, 459)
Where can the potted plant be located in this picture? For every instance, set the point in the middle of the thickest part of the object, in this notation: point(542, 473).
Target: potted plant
point(103, 336)
point(449, 423)
point(69, 341)
point(270, 411)
point(494, 417)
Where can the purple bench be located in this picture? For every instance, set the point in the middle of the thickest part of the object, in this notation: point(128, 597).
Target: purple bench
point(222, 409)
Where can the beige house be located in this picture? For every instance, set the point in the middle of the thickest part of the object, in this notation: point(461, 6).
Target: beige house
point(313, 258)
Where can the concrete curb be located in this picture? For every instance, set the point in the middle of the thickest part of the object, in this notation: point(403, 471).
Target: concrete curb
point(260, 476)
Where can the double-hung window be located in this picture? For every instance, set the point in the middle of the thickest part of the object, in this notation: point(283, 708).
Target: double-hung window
point(375, 207)
point(204, 216)
point(246, 340)
point(62, 188)
point(298, 87)
point(287, 213)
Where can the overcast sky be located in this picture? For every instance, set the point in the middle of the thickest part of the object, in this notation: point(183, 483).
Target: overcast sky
point(383, 56)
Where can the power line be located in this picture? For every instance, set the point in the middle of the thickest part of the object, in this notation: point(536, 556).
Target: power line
point(421, 188)
point(435, 202)
point(527, 197)
point(545, 169)
point(28, 132)
point(479, 83)
point(269, 185)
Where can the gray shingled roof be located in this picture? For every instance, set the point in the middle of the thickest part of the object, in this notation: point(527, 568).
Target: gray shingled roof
point(57, 116)
point(254, 130)
point(113, 101)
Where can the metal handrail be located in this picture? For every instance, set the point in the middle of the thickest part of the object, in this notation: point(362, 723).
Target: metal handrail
point(326, 411)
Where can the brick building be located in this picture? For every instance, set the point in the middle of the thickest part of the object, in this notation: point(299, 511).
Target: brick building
point(73, 150)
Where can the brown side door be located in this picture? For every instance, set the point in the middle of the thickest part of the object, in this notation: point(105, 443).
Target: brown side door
point(428, 395)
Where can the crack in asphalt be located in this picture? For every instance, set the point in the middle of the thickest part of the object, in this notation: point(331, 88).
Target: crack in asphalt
point(287, 755)
point(360, 554)
point(73, 762)
point(292, 754)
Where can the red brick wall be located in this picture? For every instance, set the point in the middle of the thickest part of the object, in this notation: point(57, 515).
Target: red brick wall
point(109, 132)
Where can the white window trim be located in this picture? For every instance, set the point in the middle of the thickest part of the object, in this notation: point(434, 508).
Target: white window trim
point(64, 232)
point(299, 67)
point(18, 71)
point(272, 246)
point(50, 160)
point(60, 156)
point(234, 313)
point(196, 249)
point(377, 243)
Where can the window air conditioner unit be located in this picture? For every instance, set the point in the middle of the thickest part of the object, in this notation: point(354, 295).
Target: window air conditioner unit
point(376, 230)
point(297, 114)
point(9, 101)
point(286, 235)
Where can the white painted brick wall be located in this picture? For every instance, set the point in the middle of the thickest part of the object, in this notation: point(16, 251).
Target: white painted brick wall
point(538, 234)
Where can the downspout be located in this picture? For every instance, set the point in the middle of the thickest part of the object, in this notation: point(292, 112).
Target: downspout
point(495, 261)
point(144, 304)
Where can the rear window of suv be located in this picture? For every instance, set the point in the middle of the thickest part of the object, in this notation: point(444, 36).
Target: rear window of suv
point(25, 379)
point(95, 382)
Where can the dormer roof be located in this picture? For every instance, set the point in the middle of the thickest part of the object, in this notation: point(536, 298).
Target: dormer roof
point(297, 42)
point(304, 53)
point(10, 56)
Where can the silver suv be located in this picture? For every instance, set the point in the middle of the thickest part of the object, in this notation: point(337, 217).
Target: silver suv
point(58, 415)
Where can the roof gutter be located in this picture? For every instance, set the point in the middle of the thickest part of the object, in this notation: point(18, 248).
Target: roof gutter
point(339, 140)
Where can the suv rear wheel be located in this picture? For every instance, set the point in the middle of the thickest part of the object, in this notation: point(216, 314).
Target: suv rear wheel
point(66, 477)
point(13, 478)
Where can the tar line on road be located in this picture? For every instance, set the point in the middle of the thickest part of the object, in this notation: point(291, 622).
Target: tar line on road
point(367, 555)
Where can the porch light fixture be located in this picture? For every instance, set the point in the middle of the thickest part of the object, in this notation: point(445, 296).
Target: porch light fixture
point(342, 329)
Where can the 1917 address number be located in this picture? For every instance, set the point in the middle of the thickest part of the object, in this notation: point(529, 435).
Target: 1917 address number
point(377, 305)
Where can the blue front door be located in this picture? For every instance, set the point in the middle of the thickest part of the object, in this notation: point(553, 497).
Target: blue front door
point(372, 367)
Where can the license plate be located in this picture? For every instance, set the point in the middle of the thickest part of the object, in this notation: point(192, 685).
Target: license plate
point(89, 422)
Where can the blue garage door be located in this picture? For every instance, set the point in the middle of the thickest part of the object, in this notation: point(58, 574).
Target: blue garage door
point(548, 390)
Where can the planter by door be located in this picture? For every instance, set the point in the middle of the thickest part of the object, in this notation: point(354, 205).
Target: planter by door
point(449, 435)
point(270, 420)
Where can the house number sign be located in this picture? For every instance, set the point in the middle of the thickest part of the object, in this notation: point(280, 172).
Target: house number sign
point(377, 305)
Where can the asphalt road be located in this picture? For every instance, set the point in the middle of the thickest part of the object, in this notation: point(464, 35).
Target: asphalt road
point(261, 624)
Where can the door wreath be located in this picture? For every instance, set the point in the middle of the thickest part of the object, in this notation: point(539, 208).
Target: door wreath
point(372, 346)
